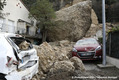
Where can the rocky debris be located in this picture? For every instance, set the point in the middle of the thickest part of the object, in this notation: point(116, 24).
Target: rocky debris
point(92, 31)
point(46, 56)
point(72, 22)
point(62, 66)
point(54, 57)
point(24, 45)
point(96, 28)
point(34, 79)
point(62, 75)
point(78, 63)
point(62, 49)
point(64, 43)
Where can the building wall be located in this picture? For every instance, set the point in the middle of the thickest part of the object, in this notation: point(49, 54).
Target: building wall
point(13, 11)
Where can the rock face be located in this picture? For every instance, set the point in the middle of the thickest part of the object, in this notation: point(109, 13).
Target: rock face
point(72, 22)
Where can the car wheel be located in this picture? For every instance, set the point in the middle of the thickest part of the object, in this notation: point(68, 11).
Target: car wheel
point(2, 76)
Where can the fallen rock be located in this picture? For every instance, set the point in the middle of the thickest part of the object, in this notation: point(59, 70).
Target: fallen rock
point(62, 75)
point(46, 56)
point(62, 66)
point(24, 45)
point(78, 63)
point(92, 31)
point(54, 58)
point(94, 17)
point(96, 30)
point(62, 49)
point(94, 26)
point(72, 22)
point(64, 43)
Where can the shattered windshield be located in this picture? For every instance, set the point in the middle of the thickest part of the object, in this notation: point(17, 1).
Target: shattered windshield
point(22, 43)
point(86, 41)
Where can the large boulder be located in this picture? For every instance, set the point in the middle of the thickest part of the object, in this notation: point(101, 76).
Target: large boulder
point(94, 26)
point(94, 17)
point(72, 22)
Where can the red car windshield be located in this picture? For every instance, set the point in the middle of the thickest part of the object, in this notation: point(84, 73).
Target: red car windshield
point(86, 41)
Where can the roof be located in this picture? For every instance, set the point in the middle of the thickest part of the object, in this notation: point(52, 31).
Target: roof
point(24, 5)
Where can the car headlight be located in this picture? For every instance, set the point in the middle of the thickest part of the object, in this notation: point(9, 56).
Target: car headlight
point(98, 48)
point(74, 50)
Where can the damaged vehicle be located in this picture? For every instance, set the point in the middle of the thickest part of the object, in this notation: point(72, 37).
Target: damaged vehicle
point(87, 49)
point(18, 58)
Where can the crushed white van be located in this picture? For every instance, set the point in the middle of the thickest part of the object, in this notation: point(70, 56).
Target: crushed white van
point(17, 61)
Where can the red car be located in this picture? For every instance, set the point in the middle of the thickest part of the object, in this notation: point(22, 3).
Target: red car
point(87, 49)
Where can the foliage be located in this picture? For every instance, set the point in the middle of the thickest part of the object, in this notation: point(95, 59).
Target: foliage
point(100, 40)
point(109, 2)
point(29, 3)
point(114, 29)
point(42, 10)
point(2, 4)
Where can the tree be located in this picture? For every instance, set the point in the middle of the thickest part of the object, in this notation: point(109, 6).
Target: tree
point(42, 10)
point(111, 10)
point(29, 3)
point(109, 2)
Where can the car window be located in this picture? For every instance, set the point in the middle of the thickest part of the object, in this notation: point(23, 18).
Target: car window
point(86, 41)
point(22, 43)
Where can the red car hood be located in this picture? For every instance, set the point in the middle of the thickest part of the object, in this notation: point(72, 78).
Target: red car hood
point(84, 48)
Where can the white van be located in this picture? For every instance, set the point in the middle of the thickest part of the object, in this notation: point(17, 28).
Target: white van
point(17, 63)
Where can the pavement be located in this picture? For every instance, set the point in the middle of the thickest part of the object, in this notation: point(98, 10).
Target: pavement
point(94, 72)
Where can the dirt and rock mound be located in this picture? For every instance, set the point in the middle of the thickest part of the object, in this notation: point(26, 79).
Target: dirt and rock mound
point(55, 57)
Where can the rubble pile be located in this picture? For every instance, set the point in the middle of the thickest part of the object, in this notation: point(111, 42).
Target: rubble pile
point(55, 57)
point(77, 63)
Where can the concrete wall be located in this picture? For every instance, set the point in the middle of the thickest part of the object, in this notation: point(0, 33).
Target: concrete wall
point(113, 61)
point(15, 10)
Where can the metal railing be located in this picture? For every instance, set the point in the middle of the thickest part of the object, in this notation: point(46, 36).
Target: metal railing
point(113, 44)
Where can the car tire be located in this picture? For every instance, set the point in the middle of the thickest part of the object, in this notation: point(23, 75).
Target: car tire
point(2, 76)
